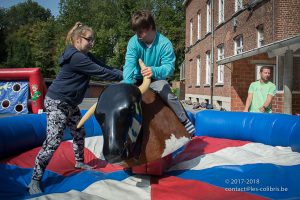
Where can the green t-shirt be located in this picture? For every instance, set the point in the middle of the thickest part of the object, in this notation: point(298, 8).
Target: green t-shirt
point(260, 92)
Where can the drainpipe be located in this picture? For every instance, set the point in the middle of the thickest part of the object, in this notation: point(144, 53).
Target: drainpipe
point(212, 53)
point(273, 19)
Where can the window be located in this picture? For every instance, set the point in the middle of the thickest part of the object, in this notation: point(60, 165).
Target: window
point(238, 45)
point(272, 78)
point(191, 32)
point(220, 67)
point(207, 73)
point(260, 36)
point(198, 71)
point(208, 17)
point(199, 27)
point(221, 11)
point(238, 5)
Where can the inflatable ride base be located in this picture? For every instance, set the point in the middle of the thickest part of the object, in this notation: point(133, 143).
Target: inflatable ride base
point(234, 155)
point(155, 168)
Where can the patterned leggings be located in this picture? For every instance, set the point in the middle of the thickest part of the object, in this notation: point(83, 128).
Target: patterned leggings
point(59, 115)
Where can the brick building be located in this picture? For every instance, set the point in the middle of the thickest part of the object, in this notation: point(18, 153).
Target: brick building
point(227, 41)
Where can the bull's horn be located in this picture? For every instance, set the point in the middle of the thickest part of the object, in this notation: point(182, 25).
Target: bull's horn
point(146, 80)
point(143, 88)
point(87, 115)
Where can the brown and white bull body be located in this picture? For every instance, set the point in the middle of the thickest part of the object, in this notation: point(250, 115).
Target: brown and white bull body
point(138, 127)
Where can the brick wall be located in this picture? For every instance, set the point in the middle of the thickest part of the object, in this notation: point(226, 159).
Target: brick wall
point(224, 34)
point(277, 104)
point(287, 18)
point(247, 23)
point(280, 19)
point(243, 74)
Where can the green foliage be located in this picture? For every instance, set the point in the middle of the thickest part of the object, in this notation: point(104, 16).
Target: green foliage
point(32, 46)
point(19, 51)
point(170, 20)
point(26, 13)
point(29, 37)
point(176, 91)
point(33, 38)
point(3, 26)
point(42, 46)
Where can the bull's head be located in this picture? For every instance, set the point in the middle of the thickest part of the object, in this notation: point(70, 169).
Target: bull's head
point(118, 112)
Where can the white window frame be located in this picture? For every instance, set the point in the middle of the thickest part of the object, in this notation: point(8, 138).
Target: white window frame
point(207, 68)
point(191, 32)
point(190, 70)
point(198, 79)
point(199, 26)
point(182, 70)
point(238, 45)
point(238, 5)
point(208, 17)
point(221, 11)
point(220, 67)
point(260, 36)
point(273, 72)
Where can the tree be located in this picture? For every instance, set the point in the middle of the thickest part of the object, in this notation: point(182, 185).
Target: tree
point(36, 39)
point(3, 32)
point(42, 42)
point(30, 42)
point(19, 51)
point(170, 19)
point(25, 13)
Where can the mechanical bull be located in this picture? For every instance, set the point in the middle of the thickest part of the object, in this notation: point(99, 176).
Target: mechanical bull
point(138, 127)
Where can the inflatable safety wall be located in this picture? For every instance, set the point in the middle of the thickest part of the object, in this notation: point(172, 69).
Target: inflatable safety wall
point(13, 97)
point(272, 129)
point(24, 132)
point(36, 85)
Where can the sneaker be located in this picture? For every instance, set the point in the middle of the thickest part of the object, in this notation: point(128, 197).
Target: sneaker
point(34, 187)
point(190, 128)
point(81, 165)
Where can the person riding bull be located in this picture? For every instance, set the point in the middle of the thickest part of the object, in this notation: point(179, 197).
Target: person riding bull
point(157, 53)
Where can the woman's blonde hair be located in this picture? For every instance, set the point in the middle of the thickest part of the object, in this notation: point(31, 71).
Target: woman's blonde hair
point(76, 31)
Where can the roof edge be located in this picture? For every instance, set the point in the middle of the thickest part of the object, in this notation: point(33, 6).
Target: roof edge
point(264, 49)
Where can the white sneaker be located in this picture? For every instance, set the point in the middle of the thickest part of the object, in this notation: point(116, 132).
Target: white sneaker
point(190, 128)
point(81, 165)
point(34, 187)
